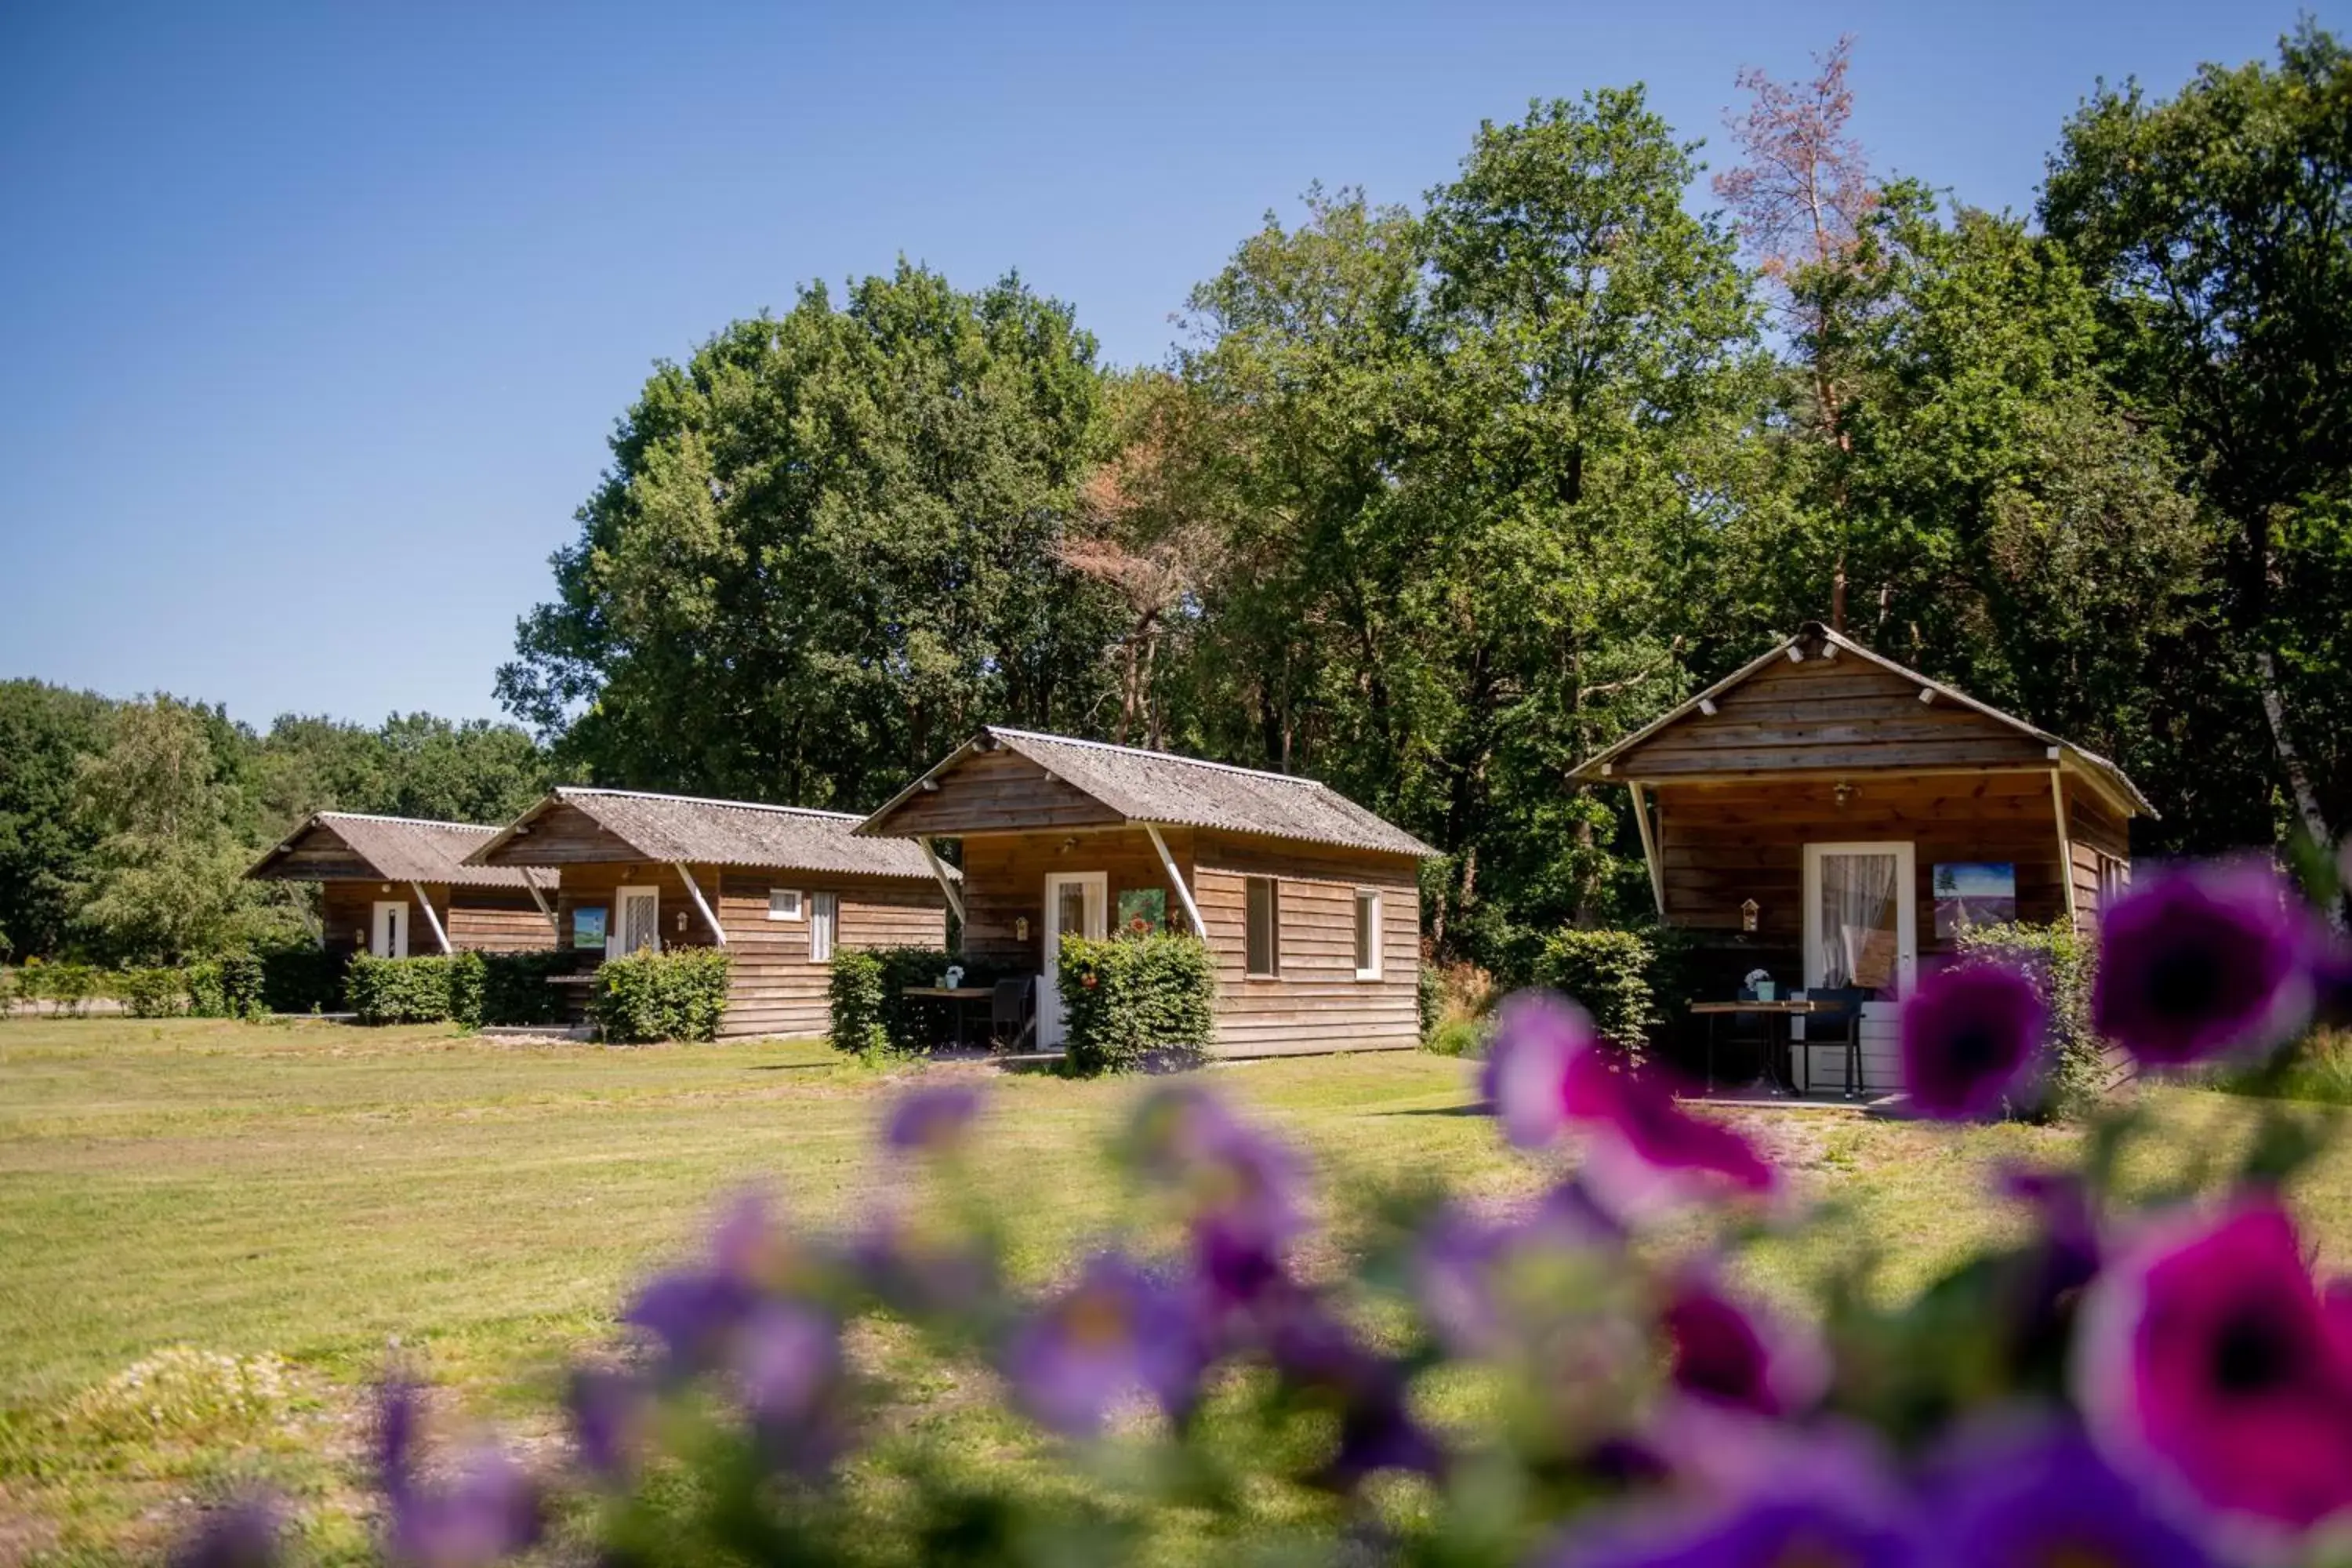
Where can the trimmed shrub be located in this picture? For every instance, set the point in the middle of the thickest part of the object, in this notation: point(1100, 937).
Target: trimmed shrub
point(70, 986)
point(151, 993)
point(301, 980)
point(2062, 961)
point(855, 998)
point(1429, 999)
point(1127, 999)
point(225, 987)
point(868, 991)
point(680, 994)
point(514, 988)
point(398, 990)
point(1610, 975)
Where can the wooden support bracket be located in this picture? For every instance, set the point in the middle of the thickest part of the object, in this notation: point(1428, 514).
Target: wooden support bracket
point(694, 891)
point(1184, 893)
point(431, 918)
point(946, 883)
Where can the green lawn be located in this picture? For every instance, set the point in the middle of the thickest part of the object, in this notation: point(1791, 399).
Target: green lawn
point(314, 1193)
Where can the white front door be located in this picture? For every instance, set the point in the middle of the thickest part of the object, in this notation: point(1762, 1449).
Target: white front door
point(636, 921)
point(1078, 903)
point(389, 937)
point(1861, 918)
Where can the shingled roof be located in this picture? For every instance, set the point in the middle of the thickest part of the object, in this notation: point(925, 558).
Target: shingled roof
point(1161, 788)
point(349, 847)
point(688, 830)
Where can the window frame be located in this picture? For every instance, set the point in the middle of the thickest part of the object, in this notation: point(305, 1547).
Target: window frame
point(829, 927)
point(799, 910)
point(1368, 905)
point(1273, 886)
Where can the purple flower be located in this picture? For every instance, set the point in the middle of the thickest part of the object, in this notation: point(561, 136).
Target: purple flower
point(932, 1119)
point(2040, 1494)
point(1541, 1039)
point(1732, 1354)
point(1321, 1360)
point(607, 1411)
point(1462, 1266)
point(2207, 1362)
point(694, 1312)
point(247, 1533)
point(490, 1511)
point(918, 1273)
point(1809, 1527)
point(2204, 961)
point(1547, 1072)
point(788, 1365)
point(1230, 1174)
point(1972, 1039)
point(1115, 1332)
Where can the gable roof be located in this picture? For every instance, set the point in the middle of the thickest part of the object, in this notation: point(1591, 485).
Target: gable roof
point(349, 846)
point(1161, 787)
point(1814, 637)
point(690, 830)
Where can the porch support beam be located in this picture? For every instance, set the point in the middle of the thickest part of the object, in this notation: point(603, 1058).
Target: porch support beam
point(2065, 844)
point(694, 891)
point(946, 883)
point(539, 899)
point(431, 918)
point(1184, 893)
point(1649, 849)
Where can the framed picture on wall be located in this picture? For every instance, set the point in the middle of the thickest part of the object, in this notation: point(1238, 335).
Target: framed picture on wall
point(1143, 911)
point(588, 927)
point(1973, 893)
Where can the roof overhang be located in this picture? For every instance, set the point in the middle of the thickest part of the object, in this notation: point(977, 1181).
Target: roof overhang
point(269, 867)
point(2109, 781)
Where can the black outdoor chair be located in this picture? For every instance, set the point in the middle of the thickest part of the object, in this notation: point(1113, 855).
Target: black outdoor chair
point(1013, 1012)
point(1843, 1013)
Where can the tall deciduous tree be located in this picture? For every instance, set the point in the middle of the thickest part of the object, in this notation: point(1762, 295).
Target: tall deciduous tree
point(2219, 224)
point(827, 548)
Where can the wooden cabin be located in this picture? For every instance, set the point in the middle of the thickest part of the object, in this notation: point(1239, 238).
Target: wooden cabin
point(399, 886)
point(779, 888)
point(1829, 816)
point(1309, 903)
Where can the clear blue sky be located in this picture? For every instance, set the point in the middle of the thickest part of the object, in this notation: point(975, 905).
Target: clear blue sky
point(314, 319)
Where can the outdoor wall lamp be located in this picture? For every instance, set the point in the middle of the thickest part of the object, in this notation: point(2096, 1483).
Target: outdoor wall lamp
point(1747, 913)
point(1845, 792)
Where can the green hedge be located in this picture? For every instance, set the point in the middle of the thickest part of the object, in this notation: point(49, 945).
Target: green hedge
point(413, 990)
point(70, 986)
point(514, 988)
point(2063, 963)
point(680, 994)
point(152, 993)
point(1609, 974)
point(302, 980)
point(871, 1013)
point(1127, 999)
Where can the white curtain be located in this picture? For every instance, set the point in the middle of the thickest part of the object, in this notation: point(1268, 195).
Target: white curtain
point(1857, 932)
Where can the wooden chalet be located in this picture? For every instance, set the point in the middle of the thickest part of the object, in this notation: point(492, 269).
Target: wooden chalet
point(779, 888)
point(1829, 816)
point(1308, 903)
point(399, 886)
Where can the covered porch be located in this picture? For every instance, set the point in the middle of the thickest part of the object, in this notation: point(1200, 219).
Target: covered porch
point(1824, 822)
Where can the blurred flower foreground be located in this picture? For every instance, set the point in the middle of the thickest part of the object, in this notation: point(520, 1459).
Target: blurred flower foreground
point(1565, 1383)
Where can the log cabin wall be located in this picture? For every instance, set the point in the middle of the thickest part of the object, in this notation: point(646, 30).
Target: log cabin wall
point(346, 915)
point(499, 919)
point(1004, 883)
point(772, 987)
point(995, 792)
point(1832, 714)
point(1315, 1002)
point(1721, 844)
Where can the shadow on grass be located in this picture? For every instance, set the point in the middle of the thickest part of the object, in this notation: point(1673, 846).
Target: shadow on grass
point(1475, 1108)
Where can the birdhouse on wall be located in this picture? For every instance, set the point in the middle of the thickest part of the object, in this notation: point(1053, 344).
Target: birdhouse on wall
point(1747, 913)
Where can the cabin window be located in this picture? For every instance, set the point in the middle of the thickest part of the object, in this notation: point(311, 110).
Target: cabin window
point(784, 903)
point(2115, 878)
point(825, 915)
point(1263, 944)
point(1368, 934)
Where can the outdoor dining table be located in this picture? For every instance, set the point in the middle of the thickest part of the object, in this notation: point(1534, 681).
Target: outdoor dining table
point(955, 996)
point(1781, 1067)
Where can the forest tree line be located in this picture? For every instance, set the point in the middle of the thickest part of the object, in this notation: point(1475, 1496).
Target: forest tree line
point(1432, 500)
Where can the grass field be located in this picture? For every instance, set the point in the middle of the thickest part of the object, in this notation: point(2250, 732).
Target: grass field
point(300, 1197)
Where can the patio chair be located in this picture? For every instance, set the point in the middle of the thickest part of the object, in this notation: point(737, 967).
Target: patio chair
point(1012, 1012)
point(1843, 1013)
